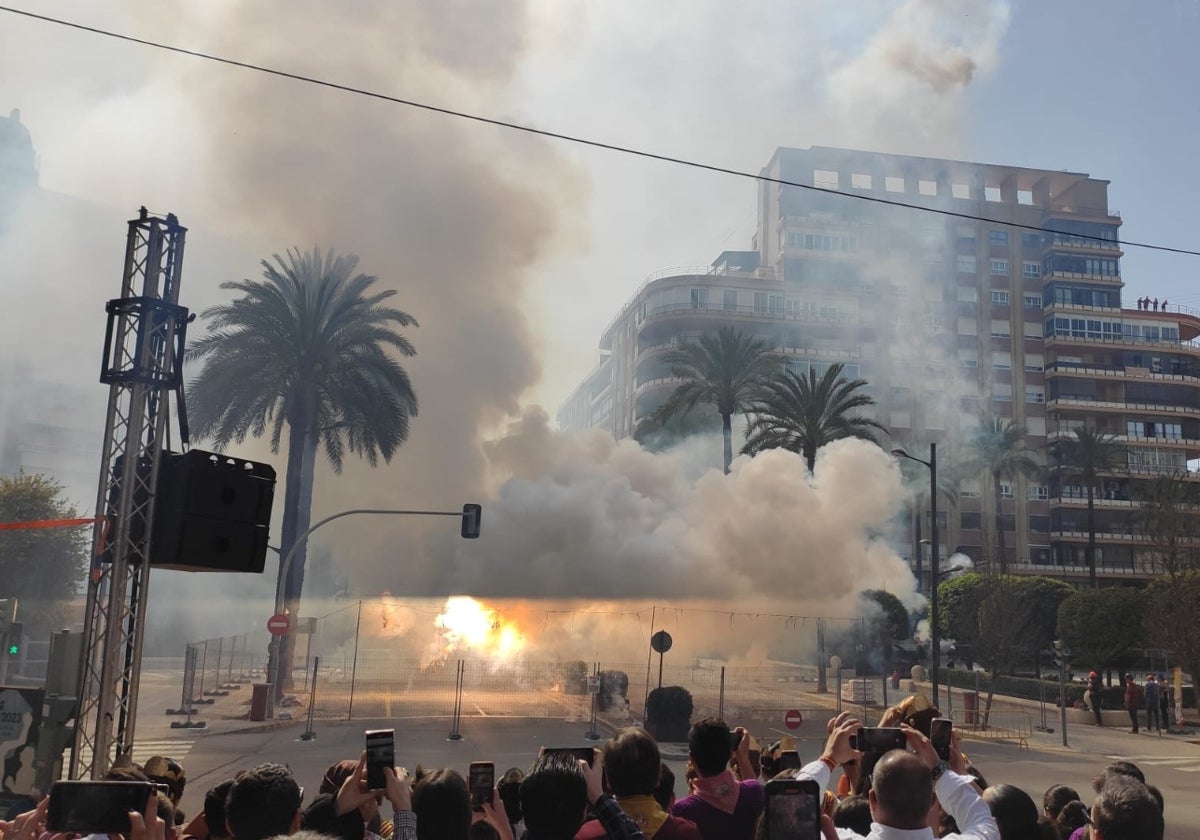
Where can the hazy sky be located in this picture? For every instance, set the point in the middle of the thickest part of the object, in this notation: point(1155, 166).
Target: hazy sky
point(514, 252)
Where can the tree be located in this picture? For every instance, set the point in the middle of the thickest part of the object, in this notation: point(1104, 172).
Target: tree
point(1085, 456)
point(1103, 627)
point(959, 602)
point(726, 370)
point(1000, 451)
point(804, 413)
point(887, 624)
point(1172, 617)
point(311, 347)
point(1169, 518)
point(43, 568)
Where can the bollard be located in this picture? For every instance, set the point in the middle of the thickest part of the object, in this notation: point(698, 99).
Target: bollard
point(455, 734)
point(309, 735)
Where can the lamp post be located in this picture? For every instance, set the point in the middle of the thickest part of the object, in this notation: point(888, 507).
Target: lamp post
point(470, 514)
point(934, 652)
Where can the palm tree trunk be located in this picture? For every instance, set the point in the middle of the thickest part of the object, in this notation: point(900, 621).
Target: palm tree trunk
point(810, 456)
point(297, 516)
point(1003, 559)
point(1091, 549)
point(727, 434)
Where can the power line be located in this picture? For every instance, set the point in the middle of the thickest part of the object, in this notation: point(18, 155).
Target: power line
point(569, 138)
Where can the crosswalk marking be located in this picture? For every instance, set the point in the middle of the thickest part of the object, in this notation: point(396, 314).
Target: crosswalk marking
point(175, 748)
point(1186, 765)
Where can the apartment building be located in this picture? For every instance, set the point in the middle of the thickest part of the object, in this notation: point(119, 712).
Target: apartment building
point(972, 311)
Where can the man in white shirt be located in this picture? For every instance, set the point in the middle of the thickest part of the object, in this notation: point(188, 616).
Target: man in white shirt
point(903, 786)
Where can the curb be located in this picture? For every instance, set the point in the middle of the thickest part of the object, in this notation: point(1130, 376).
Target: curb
point(266, 727)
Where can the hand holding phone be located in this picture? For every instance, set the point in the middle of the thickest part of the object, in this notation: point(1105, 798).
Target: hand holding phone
point(939, 736)
point(381, 753)
point(481, 781)
point(879, 739)
point(84, 807)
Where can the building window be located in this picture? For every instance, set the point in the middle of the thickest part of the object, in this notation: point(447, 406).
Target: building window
point(966, 294)
point(1038, 492)
point(775, 304)
point(760, 303)
point(1031, 269)
point(1035, 394)
point(1031, 329)
point(968, 359)
point(998, 237)
point(1006, 490)
point(700, 298)
point(970, 521)
point(1034, 362)
point(1001, 329)
point(999, 295)
point(965, 263)
point(999, 266)
point(1002, 392)
point(1031, 240)
point(729, 299)
point(1039, 524)
point(1001, 360)
point(1033, 301)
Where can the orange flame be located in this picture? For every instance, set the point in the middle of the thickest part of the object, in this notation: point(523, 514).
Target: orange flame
point(469, 625)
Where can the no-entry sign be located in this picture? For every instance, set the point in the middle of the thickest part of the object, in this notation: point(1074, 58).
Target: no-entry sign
point(792, 719)
point(278, 624)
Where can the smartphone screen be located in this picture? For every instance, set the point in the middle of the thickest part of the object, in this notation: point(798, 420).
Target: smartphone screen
point(381, 752)
point(481, 780)
point(735, 739)
point(939, 736)
point(95, 807)
point(793, 809)
point(879, 739)
point(581, 753)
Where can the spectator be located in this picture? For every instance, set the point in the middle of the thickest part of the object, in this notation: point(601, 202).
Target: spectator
point(264, 801)
point(1156, 304)
point(1152, 705)
point(509, 790)
point(1094, 695)
point(1118, 768)
point(665, 792)
point(1055, 797)
point(1133, 701)
point(213, 815)
point(441, 801)
point(169, 772)
point(331, 783)
point(1164, 700)
point(556, 793)
point(1015, 813)
point(854, 813)
point(1071, 817)
point(632, 767)
point(720, 806)
point(1125, 810)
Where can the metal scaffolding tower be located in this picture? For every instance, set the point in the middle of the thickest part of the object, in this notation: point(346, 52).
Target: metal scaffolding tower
point(143, 363)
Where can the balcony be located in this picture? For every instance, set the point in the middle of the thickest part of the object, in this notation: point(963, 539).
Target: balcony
point(1122, 372)
point(1059, 403)
point(1080, 243)
point(1163, 346)
point(1024, 567)
point(1106, 279)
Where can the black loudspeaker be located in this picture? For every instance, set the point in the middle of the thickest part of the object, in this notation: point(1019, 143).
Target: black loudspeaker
point(212, 513)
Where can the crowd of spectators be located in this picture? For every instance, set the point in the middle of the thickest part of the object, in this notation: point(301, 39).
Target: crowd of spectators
point(626, 791)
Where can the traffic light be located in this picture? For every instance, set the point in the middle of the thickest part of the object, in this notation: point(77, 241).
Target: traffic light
point(470, 521)
point(12, 642)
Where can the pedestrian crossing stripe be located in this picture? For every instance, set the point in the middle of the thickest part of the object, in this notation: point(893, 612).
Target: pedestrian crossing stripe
point(143, 750)
point(1186, 765)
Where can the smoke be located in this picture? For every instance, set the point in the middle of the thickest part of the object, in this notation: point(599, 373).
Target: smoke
point(584, 515)
point(908, 83)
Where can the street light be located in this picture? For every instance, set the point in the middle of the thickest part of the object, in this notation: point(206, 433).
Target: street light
point(470, 514)
point(935, 653)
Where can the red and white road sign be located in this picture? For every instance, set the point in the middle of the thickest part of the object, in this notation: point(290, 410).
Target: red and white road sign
point(792, 719)
point(278, 624)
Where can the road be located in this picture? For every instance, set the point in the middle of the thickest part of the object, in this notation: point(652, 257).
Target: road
point(1172, 763)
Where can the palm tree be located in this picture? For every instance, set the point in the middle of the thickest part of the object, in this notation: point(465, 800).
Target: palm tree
point(306, 347)
point(1085, 456)
point(1001, 452)
point(803, 413)
point(725, 370)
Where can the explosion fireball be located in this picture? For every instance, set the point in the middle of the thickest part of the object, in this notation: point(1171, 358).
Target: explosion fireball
point(466, 624)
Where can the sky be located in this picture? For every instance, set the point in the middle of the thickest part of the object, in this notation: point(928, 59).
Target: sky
point(512, 251)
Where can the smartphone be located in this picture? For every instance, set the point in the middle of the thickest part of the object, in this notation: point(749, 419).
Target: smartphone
point(788, 760)
point(939, 736)
point(481, 779)
point(95, 807)
point(793, 809)
point(581, 753)
point(878, 739)
point(381, 752)
point(735, 739)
